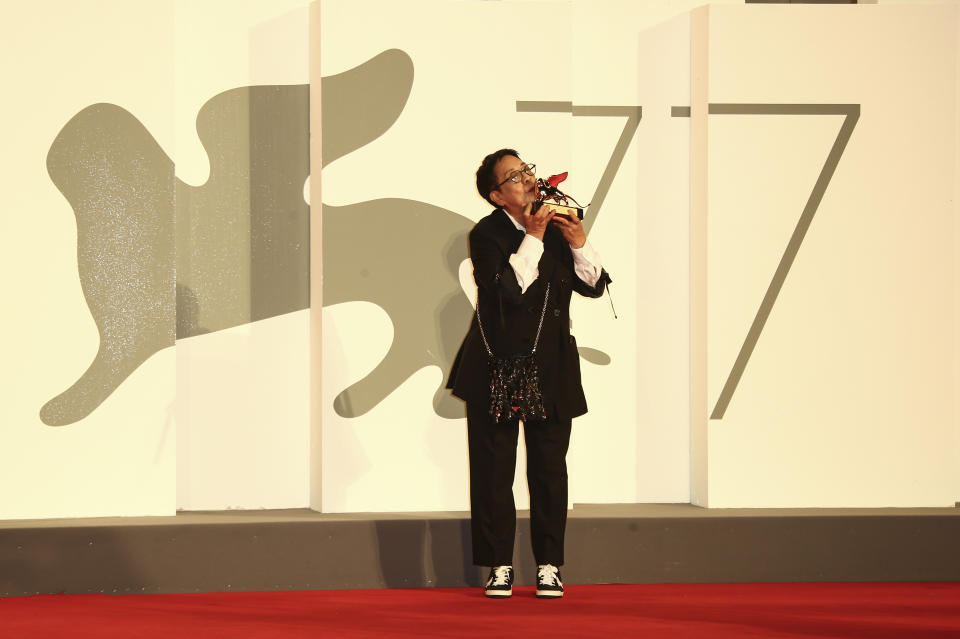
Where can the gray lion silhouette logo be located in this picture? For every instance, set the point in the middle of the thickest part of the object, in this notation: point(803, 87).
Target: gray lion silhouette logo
point(160, 259)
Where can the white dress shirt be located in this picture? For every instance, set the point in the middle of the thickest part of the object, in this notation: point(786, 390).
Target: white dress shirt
point(586, 261)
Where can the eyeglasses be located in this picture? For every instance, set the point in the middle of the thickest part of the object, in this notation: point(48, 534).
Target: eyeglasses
point(516, 176)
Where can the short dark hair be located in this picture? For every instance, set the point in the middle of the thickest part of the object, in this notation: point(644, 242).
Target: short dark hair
point(486, 175)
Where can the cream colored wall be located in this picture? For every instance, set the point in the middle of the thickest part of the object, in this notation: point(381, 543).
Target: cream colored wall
point(401, 455)
point(848, 397)
point(243, 393)
point(697, 255)
point(914, 2)
point(956, 276)
point(223, 420)
point(240, 397)
point(316, 267)
point(956, 490)
point(633, 443)
point(59, 59)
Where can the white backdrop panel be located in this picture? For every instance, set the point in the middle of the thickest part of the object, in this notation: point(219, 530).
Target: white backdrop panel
point(243, 408)
point(847, 398)
point(63, 57)
point(633, 444)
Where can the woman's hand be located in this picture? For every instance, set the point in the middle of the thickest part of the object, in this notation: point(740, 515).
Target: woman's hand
point(572, 229)
point(536, 223)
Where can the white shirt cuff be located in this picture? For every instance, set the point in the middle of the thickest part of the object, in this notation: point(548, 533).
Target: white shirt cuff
point(525, 261)
point(586, 264)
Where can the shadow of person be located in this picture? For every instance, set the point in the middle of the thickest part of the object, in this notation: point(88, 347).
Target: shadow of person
point(452, 555)
point(400, 546)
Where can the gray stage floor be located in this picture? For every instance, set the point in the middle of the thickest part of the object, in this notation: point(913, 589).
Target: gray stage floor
point(638, 511)
point(636, 543)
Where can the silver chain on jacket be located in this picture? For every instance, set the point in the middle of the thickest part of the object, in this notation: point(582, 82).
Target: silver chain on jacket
point(536, 341)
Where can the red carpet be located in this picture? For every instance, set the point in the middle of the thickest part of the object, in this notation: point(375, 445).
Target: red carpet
point(717, 611)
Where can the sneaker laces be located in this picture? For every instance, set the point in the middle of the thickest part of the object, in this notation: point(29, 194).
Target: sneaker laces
point(548, 574)
point(501, 576)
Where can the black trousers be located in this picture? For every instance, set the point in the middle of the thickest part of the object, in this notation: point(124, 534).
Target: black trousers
point(493, 461)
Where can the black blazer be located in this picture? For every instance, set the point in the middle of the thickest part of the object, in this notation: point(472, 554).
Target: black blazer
point(510, 318)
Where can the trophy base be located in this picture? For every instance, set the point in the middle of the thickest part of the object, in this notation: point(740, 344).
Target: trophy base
point(559, 209)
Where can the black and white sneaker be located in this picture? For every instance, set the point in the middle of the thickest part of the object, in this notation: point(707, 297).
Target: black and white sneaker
point(500, 582)
point(549, 585)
